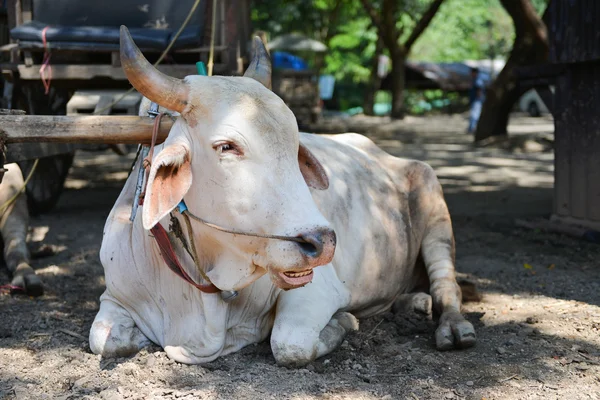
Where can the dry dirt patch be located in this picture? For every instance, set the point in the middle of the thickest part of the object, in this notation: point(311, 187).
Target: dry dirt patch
point(537, 323)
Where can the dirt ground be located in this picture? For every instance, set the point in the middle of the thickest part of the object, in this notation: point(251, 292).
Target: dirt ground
point(537, 324)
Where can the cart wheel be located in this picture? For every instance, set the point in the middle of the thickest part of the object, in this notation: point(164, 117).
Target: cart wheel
point(47, 182)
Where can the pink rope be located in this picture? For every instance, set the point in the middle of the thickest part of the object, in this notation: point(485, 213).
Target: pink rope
point(12, 287)
point(46, 63)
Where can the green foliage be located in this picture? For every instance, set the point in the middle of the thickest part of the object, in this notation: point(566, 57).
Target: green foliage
point(540, 5)
point(349, 36)
point(419, 102)
point(351, 51)
point(461, 30)
point(466, 29)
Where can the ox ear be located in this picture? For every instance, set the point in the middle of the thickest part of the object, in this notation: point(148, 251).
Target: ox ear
point(169, 180)
point(313, 172)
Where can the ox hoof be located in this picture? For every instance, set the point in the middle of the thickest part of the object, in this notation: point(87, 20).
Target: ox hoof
point(294, 348)
point(419, 303)
point(116, 340)
point(454, 332)
point(346, 320)
point(31, 284)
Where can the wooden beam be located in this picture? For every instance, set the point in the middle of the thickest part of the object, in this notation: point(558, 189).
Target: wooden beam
point(110, 129)
point(27, 9)
point(69, 47)
point(60, 72)
point(86, 72)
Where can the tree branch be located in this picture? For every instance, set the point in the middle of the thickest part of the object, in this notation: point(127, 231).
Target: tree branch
point(526, 19)
point(333, 18)
point(422, 24)
point(372, 13)
point(389, 31)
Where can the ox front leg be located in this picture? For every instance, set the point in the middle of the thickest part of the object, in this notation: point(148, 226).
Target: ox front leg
point(114, 333)
point(308, 323)
point(13, 226)
point(454, 331)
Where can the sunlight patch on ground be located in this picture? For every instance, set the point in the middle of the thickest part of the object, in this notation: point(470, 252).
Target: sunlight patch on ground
point(38, 233)
point(115, 176)
point(519, 308)
point(87, 159)
point(521, 128)
point(54, 270)
point(100, 280)
point(76, 183)
point(354, 395)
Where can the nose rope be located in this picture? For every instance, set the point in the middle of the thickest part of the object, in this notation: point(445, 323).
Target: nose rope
point(185, 211)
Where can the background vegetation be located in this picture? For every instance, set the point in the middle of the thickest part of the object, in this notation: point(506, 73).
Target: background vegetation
point(460, 30)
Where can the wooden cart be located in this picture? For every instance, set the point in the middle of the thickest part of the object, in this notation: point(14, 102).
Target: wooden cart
point(78, 41)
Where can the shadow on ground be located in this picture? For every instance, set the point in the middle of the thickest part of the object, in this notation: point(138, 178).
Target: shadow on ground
point(537, 324)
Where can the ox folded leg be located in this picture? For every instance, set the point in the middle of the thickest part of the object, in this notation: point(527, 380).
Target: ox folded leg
point(308, 324)
point(331, 337)
point(437, 249)
point(13, 226)
point(413, 303)
point(454, 330)
point(114, 334)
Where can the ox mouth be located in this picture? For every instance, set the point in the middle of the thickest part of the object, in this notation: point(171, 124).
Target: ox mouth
point(297, 278)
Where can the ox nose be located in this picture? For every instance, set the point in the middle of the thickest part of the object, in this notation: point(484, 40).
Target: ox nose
point(318, 244)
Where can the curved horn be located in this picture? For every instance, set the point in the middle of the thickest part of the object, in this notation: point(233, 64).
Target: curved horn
point(260, 66)
point(167, 91)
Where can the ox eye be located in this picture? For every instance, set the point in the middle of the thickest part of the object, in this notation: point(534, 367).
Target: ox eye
point(226, 148)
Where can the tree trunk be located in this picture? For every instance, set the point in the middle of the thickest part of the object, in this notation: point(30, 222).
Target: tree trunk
point(374, 82)
point(397, 77)
point(385, 18)
point(530, 47)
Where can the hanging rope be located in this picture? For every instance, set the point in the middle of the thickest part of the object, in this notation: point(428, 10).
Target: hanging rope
point(14, 198)
point(46, 79)
point(212, 39)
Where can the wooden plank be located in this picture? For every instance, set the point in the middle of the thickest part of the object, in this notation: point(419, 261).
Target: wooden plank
point(81, 129)
point(75, 71)
point(16, 152)
point(571, 221)
point(562, 147)
point(86, 72)
point(579, 142)
point(573, 31)
point(70, 47)
point(18, 12)
point(589, 102)
point(8, 47)
point(563, 225)
point(540, 71)
point(27, 8)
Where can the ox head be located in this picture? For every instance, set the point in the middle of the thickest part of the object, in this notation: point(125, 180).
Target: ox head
point(234, 155)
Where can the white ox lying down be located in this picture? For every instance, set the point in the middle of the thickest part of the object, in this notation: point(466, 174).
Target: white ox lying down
point(235, 156)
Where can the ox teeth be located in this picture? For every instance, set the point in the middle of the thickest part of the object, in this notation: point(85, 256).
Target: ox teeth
point(298, 274)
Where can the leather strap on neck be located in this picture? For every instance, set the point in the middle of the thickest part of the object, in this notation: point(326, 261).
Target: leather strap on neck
point(166, 251)
point(159, 232)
